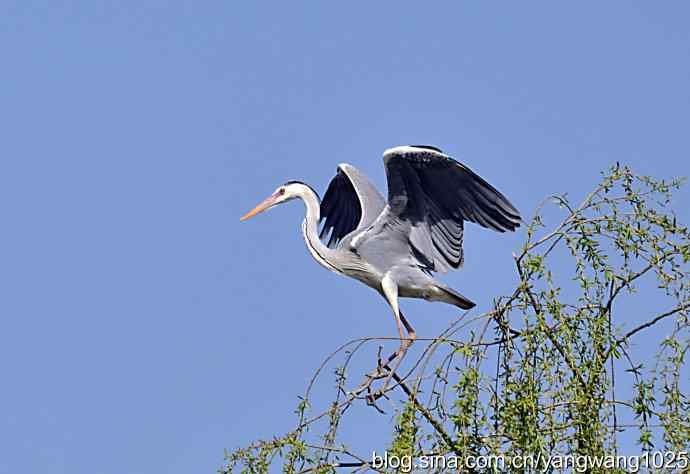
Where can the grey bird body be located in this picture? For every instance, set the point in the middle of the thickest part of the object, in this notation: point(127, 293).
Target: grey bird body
point(396, 245)
point(419, 230)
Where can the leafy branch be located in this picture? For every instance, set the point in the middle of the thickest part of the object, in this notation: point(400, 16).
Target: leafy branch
point(544, 370)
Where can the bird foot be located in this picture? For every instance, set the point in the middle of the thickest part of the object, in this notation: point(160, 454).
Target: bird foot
point(370, 378)
point(382, 371)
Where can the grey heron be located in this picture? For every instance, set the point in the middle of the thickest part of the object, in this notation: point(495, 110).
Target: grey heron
point(395, 247)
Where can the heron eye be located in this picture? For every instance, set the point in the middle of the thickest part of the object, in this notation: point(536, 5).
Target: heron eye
point(281, 191)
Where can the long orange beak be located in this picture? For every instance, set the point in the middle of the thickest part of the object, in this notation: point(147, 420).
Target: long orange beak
point(265, 204)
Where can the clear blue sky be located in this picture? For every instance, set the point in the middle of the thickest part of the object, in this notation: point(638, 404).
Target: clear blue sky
point(144, 329)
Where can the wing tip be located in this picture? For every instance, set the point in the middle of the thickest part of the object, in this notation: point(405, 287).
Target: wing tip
point(404, 149)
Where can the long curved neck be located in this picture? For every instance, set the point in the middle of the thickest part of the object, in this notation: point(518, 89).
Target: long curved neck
point(310, 228)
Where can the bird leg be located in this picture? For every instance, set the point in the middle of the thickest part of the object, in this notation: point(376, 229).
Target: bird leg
point(405, 343)
point(383, 368)
point(411, 335)
point(390, 291)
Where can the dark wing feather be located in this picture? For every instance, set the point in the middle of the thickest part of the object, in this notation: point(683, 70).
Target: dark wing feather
point(436, 194)
point(350, 203)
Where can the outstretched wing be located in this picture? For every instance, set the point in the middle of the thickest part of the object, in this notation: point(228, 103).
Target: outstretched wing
point(433, 194)
point(351, 202)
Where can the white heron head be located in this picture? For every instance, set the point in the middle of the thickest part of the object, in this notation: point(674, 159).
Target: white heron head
point(284, 193)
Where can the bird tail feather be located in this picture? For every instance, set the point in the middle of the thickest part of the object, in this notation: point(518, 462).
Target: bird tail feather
point(451, 296)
